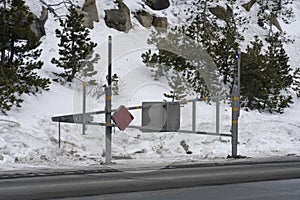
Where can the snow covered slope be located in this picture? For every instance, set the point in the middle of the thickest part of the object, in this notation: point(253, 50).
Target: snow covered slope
point(28, 137)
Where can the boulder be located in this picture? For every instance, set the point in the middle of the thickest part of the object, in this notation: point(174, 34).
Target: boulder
point(144, 18)
point(38, 25)
point(160, 23)
point(44, 16)
point(158, 4)
point(274, 21)
point(249, 5)
point(229, 11)
point(221, 12)
point(186, 147)
point(91, 9)
point(118, 19)
point(87, 20)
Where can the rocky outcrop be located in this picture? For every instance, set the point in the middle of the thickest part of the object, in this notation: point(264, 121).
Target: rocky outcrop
point(147, 20)
point(38, 25)
point(249, 5)
point(91, 9)
point(160, 23)
point(118, 19)
point(158, 4)
point(144, 18)
point(276, 23)
point(221, 12)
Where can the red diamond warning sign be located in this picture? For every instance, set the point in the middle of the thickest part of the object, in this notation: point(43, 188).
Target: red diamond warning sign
point(122, 118)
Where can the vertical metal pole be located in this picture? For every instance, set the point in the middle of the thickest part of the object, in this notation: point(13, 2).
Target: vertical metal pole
point(59, 135)
point(194, 116)
point(239, 69)
point(235, 116)
point(84, 84)
point(108, 128)
point(218, 116)
point(239, 75)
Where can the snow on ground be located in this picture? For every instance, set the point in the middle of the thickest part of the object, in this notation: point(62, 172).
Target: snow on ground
point(29, 138)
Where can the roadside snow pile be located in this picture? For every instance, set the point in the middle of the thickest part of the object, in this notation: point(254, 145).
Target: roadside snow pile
point(28, 137)
point(39, 145)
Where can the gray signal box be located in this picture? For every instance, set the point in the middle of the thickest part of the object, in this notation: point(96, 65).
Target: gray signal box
point(160, 116)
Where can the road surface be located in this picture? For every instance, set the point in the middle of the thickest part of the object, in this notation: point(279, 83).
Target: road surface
point(62, 186)
point(266, 190)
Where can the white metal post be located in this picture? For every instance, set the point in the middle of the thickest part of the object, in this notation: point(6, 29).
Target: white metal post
point(194, 116)
point(218, 116)
point(84, 84)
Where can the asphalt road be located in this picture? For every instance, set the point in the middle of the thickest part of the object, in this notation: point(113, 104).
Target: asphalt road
point(47, 187)
point(265, 190)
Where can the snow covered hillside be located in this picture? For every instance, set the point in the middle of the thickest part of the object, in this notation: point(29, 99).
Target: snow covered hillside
point(28, 137)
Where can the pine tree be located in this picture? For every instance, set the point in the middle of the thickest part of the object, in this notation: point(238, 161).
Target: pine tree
point(254, 76)
point(76, 48)
point(189, 59)
point(266, 77)
point(202, 25)
point(279, 76)
point(276, 8)
point(19, 55)
point(225, 50)
point(178, 88)
point(270, 10)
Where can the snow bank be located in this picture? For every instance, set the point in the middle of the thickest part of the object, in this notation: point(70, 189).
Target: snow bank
point(28, 137)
